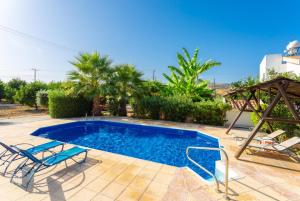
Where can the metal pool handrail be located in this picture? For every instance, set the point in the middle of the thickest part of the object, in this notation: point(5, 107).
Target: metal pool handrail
point(207, 171)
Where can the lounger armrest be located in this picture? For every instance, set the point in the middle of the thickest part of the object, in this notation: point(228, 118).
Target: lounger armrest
point(48, 150)
point(20, 144)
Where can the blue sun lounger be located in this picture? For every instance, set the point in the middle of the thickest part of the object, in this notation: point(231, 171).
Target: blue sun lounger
point(32, 164)
point(11, 154)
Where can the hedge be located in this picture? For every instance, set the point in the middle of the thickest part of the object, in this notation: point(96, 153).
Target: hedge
point(62, 105)
point(280, 110)
point(179, 108)
point(176, 108)
point(210, 112)
point(150, 106)
point(27, 93)
point(42, 98)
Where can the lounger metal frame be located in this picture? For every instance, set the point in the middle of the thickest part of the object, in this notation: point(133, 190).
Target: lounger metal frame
point(286, 151)
point(15, 155)
point(38, 165)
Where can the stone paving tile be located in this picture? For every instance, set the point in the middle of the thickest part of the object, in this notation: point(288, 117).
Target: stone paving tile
point(176, 194)
point(153, 166)
point(98, 184)
point(109, 176)
point(140, 162)
point(125, 178)
point(148, 173)
point(33, 197)
point(113, 173)
point(167, 169)
point(156, 189)
point(204, 194)
point(291, 192)
point(256, 196)
point(100, 197)
point(83, 194)
point(139, 183)
point(113, 190)
point(11, 192)
point(163, 178)
point(150, 197)
point(130, 194)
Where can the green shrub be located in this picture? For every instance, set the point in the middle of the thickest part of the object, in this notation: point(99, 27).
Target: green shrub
point(113, 106)
point(176, 108)
point(2, 90)
point(155, 88)
point(210, 112)
point(27, 93)
point(16, 83)
point(180, 108)
point(150, 106)
point(42, 98)
point(281, 111)
point(54, 85)
point(9, 94)
point(62, 105)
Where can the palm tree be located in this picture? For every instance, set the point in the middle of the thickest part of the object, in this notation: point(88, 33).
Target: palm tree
point(91, 74)
point(185, 80)
point(125, 83)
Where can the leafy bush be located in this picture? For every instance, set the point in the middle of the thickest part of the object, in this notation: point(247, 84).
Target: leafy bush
point(180, 108)
point(9, 94)
point(42, 98)
point(150, 106)
point(54, 85)
point(113, 106)
point(210, 112)
point(16, 83)
point(176, 108)
point(2, 92)
point(62, 105)
point(280, 110)
point(155, 88)
point(27, 93)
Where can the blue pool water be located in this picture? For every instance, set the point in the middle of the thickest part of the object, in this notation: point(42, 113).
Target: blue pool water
point(159, 144)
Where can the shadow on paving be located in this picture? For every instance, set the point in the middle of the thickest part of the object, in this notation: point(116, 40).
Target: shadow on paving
point(53, 184)
point(6, 123)
point(272, 160)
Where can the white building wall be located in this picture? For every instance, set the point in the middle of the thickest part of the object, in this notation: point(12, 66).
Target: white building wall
point(295, 68)
point(263, 68)
point(271, 61)
point(244, 121)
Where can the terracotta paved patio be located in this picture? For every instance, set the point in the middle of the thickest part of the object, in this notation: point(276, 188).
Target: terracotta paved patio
point(108, 176)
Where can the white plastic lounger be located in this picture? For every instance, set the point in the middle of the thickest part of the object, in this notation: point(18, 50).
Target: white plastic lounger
point(284, 147)
point(270, 136)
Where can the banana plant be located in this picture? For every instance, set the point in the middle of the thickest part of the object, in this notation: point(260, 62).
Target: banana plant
point(184, 80)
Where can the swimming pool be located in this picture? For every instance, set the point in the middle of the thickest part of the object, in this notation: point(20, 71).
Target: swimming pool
point(159, 144)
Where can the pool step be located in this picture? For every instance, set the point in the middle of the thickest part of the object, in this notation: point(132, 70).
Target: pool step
point(212, 174)
point(220, 171)
point(187, 186)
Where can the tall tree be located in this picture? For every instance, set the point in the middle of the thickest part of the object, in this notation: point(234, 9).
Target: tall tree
point(184, 80)
point(16, 83)
point(125, 83)
point(2, 89)
point(90, 75)
point(27, 93)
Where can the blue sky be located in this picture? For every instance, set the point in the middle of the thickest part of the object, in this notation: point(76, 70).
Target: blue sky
point(145, 33)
